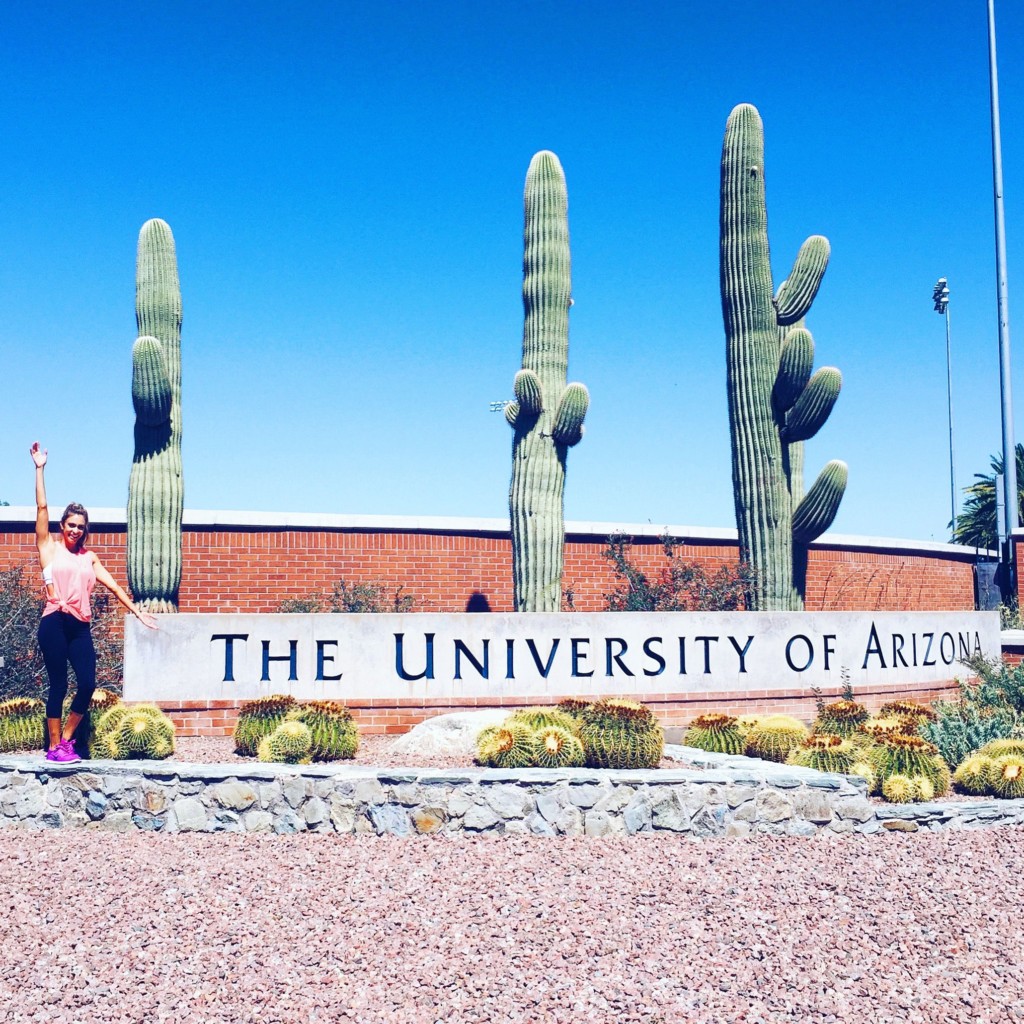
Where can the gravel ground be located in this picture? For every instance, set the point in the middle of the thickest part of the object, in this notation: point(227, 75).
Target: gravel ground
point(373, 750)
point(142, 927)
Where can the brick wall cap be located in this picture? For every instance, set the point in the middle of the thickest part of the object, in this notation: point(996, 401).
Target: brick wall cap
point(100, 517)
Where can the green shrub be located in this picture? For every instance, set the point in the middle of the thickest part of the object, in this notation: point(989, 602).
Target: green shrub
point(963, 726)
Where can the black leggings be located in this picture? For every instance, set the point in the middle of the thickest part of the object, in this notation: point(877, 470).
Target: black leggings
point(63, 639)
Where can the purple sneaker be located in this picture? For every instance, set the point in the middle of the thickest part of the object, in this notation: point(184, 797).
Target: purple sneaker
point(63, 753)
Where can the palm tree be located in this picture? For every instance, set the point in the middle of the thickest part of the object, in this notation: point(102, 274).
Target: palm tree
point(976, 525)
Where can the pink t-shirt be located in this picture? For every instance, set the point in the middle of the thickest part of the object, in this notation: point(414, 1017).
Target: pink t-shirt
point(73, 580)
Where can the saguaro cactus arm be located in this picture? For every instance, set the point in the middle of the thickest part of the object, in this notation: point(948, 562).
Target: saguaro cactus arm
point(814, 515)
point(151, 389)
point(572, 408)
point(797, 292)
point(794, 369)
point(814, 405)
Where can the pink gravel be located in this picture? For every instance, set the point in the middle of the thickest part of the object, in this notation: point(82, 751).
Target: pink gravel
point(374, 751)
point(101, 927)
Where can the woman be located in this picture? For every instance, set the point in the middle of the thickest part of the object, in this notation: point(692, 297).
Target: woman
point(70, 572)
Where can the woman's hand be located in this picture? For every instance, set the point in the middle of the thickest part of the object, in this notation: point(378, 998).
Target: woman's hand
point(146, 619)
point(38, 455)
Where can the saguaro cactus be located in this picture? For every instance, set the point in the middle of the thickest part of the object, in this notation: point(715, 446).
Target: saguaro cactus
point(775, 403)
point(547, 414)
point(155, 488)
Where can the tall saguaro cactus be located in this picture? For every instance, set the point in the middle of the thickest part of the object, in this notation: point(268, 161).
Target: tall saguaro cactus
point(155, 488)
point(775, 403)
point(547, 414)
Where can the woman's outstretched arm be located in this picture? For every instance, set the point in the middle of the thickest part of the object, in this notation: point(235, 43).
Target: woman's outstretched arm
point(103, 576)
point(43, 540)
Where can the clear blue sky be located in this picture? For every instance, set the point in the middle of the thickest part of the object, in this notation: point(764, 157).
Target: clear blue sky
point(344, 182)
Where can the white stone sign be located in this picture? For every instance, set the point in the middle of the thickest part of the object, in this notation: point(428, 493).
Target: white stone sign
point(421, 655)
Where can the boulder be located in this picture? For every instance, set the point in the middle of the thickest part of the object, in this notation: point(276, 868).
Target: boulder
point(448, 734)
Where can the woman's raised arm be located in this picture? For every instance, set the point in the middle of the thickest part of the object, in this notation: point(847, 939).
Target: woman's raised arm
point(42, 512)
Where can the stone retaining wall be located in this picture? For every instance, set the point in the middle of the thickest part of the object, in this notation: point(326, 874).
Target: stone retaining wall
point(731, 796)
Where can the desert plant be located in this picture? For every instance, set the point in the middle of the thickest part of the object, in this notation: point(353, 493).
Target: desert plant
point(547, 414)
point(899, 754)
point(22, 724)
point(678, 586)
point(973, 775)
point(774, 402)
point(999, 747)
point(1007, 776)
point(876, 726)
point(899, 789)
point(536, 718)
point(290, 743)
point(775, 737)
point(555, 747)
point(142, 731)
point(840, 718)
point(824, 752)
point(573, 706)
point(963, 726)
point(510, 745)
point(912, 716)
point(155, 487)
point(619, 733)
point(259, 718)
point(357, 598)
point(334, 736)
point(747, 722)
point(715, 733)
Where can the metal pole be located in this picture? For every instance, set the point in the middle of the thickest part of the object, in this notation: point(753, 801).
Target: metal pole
point(1009, 448)
point(949, 403)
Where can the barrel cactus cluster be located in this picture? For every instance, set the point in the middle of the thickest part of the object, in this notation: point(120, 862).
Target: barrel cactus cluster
point(886, 750)
point(606, 733)
point(22, 724)
point(280, 728)
point(133, 731)
point(155, 486)
point(995, 769)
point(547, 413)
point(775, 402)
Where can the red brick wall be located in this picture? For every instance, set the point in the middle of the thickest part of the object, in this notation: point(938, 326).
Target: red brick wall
point(252, 569)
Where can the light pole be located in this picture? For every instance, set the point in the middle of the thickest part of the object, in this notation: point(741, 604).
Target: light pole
point(940, 296)
point(1006, 404)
